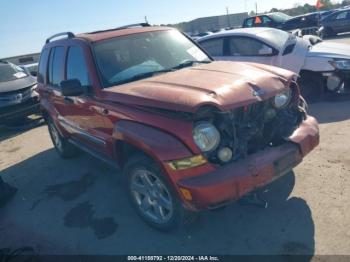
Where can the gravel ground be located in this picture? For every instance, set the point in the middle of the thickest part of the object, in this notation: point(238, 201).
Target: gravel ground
point(79, 207)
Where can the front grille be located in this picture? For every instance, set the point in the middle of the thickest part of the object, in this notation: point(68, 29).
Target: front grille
point(15, 97)
point(251, 128)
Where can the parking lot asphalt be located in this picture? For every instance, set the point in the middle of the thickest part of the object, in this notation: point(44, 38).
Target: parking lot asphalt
point(79, 206)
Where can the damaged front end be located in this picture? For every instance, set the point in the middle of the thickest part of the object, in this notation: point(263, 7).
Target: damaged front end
point(246, 130)
point(337, 83)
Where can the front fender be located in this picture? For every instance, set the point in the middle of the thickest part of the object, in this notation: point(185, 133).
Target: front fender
point(156, 143)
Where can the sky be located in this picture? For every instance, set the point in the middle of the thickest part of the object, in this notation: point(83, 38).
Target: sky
point(26, 24)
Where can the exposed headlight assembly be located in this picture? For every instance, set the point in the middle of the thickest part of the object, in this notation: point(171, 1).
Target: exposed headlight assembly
point(341, 64)
point(282, 99)
point(206, 136)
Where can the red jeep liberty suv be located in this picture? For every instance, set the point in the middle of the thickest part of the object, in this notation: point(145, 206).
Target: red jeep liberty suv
point(189, 133)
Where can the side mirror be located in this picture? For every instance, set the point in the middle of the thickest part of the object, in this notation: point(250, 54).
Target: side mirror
point(266, 51)
point(72, 87)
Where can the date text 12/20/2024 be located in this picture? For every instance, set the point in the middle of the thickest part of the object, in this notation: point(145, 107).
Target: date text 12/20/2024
point(173, 258)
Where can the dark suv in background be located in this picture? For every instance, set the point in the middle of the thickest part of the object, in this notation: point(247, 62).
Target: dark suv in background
point(275, 20)
point(337, 22)
point(18, 97)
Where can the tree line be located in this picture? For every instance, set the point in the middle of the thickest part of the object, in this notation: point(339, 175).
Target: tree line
point(307, 8)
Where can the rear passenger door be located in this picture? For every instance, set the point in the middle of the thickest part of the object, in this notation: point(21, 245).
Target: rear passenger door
point(340, 22)
point(55, 75)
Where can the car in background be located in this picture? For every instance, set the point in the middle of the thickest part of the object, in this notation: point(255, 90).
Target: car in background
point(31, 69)
point(307, 23)
point(337, 22)
point(324, 67)
point(189, 133)
point(18, 96)
point(275, 20)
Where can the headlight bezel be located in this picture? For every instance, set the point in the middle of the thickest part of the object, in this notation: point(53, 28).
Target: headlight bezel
point(288, 94)
point(200, 131)
point(340, 64)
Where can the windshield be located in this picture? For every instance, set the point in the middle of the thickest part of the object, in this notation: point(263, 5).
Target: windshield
point(124, 59)
point(10, 72)
point(277, 37)
point(280, 17)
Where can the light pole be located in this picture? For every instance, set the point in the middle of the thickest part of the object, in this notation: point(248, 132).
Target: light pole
point(228, 17)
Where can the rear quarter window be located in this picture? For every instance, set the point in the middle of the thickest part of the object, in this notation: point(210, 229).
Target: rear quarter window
point(249, 22)
point(43, 65)
point(56, 66)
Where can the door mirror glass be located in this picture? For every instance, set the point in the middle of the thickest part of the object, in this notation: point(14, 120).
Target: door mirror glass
point(72, 87)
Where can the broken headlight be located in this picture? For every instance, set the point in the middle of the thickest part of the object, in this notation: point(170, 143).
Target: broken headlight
point(206, 136)
point(282, 99)
point(343, 64)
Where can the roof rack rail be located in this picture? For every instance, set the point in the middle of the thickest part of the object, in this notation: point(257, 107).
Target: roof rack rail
point(68, 34)
point(122, 27)
point(133, 25)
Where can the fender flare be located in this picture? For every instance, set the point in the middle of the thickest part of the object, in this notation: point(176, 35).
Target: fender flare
point(156, 143)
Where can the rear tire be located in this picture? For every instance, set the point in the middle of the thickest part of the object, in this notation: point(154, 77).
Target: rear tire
point(63, 147)
point(151, 195)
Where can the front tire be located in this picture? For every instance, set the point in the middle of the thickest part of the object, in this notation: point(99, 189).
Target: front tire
point(327, 32)
point(311, 87)
point(151, 195)
point(62, 145)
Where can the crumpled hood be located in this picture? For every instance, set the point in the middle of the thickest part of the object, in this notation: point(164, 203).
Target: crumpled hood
point(226, 85)
point(330, 50)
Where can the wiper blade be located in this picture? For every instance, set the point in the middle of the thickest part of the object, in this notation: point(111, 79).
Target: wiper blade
point(142, 76)
point(188, 63)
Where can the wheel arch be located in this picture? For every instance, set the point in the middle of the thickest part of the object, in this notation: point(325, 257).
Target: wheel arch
point(132, 138)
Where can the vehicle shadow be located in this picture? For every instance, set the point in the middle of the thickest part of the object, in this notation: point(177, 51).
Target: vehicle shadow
point(87, 204)
point(328, 112)
point(10, 132)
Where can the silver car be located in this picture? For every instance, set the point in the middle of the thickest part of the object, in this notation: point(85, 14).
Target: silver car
point(324, 67)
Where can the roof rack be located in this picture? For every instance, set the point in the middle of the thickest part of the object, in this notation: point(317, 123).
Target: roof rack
point(122, 27)
point(68, 34)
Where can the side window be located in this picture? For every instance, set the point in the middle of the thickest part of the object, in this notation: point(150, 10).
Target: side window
point(56, 66)
point(266, 21)
point(249, 22)
point(76, 66)
point(214, 47)
point(43, 65)
point(244, 46)
point(341, 15)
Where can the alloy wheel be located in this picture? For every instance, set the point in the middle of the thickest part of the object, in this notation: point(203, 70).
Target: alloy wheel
point(56, 139)
point(152, 197)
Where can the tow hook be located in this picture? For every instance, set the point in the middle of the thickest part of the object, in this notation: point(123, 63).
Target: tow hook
point(253, 199)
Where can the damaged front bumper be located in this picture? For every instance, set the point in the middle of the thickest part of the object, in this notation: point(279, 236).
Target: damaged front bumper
point(18, 111)
point(232, 181)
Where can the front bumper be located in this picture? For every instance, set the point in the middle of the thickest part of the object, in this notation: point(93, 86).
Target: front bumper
point(27, 108)
point(231, 182)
